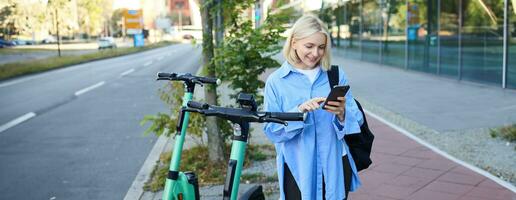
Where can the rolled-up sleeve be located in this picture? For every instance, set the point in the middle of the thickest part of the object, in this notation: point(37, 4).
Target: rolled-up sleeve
point(279, 132)
point(350, 125)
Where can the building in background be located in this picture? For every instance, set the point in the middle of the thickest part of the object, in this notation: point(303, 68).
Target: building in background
point(185, 13)
point(471, 40)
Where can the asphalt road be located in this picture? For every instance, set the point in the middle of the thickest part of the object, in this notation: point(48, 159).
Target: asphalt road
point(74, 133)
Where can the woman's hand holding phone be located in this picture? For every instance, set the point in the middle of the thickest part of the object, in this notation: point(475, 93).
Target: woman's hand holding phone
point(336, 101)
point(337, 107)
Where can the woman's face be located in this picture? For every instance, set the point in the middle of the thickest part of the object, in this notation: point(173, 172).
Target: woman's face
point(310, 50)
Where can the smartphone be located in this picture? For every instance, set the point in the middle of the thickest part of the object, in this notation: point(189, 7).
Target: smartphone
point(337, 91)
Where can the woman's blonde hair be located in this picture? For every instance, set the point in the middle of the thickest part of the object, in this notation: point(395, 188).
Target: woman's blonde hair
point(304, 27)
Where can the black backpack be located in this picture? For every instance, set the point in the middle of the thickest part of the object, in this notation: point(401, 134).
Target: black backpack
point(360, 144)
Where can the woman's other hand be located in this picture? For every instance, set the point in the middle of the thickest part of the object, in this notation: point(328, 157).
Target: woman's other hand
point(337, 107)
point(311, 105)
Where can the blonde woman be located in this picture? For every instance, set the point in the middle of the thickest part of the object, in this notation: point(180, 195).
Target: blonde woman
point(312, 159)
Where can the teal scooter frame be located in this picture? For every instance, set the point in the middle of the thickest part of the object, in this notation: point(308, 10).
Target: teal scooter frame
point(182, 185)
point(241, 119)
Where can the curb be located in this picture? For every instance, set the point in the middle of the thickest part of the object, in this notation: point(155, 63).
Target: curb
point(136, 190)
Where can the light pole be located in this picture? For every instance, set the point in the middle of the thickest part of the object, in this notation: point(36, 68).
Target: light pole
point(57, 32)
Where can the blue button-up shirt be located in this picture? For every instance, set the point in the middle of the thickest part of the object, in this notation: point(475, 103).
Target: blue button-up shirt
point(312, 148)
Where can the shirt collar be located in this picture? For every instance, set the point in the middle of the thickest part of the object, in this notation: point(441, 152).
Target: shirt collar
point(286, 68)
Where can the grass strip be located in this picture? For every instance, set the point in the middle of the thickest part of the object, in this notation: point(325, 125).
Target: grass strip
point(208, 173)
point(11, 70)
point(507, 132)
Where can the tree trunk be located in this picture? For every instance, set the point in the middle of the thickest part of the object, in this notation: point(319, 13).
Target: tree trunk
point(215, 142)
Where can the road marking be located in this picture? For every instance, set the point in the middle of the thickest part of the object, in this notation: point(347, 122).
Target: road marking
point(89, 88)
point(147, 63)
point(126, 72)
point(14, 82)
point(17, 121)
point(444, 154)
point(160, 58)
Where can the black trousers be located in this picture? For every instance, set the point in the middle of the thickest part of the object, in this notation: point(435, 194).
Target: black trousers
point(292, 192)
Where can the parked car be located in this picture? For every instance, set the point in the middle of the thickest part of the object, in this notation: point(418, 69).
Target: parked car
point(24, 42)
point(106, 42)
point(49, 40)
point(5, 43)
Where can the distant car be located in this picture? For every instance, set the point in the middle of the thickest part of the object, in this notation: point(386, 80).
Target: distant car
point(24, 42)
point(49, 40)
point(106, 42)
point(188, 37)
point(5, 43)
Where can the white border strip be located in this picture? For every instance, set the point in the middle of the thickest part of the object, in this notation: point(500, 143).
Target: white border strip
point(127, 72)
point(17, 121)
point(136, 190)
point(89, 88)
point(503, 183)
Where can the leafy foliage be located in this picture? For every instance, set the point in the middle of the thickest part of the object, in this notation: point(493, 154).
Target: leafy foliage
point(172, 94)
point(207, 172)
point(246, 52)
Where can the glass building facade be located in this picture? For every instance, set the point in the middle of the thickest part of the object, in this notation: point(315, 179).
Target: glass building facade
point(462, 39)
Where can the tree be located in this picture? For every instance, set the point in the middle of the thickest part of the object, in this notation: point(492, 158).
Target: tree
point(7, 27)
point(93, 14)
point(21, 18)
point(116, 22)
point(246, 52)
point(215, 141)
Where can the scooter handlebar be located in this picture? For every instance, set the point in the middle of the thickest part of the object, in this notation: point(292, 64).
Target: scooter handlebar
point(187, 77)
point(285, 116)
point(198, 105)
point(209, 80)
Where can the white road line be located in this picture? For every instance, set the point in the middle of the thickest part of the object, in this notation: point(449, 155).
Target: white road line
point(89, 88)
point(14, 82)
point(17, 121)
point(127, 72)
point(160, 58)
point(147, 63)
point(444, 154)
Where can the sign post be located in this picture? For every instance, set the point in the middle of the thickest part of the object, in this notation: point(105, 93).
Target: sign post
point(133, 21)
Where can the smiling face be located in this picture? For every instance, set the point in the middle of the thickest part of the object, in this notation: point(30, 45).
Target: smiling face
point(310, 50)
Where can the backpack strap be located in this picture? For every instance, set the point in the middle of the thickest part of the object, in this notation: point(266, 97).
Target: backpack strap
point(333, 76)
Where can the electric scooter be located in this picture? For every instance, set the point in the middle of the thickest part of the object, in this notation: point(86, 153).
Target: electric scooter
point(241, 119)
point(182, 185)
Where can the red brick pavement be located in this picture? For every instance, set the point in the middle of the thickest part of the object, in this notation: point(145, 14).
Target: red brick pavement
point(405, 169)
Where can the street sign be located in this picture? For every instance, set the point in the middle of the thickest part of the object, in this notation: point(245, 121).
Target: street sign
point(412, 14)
point(133, 20)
